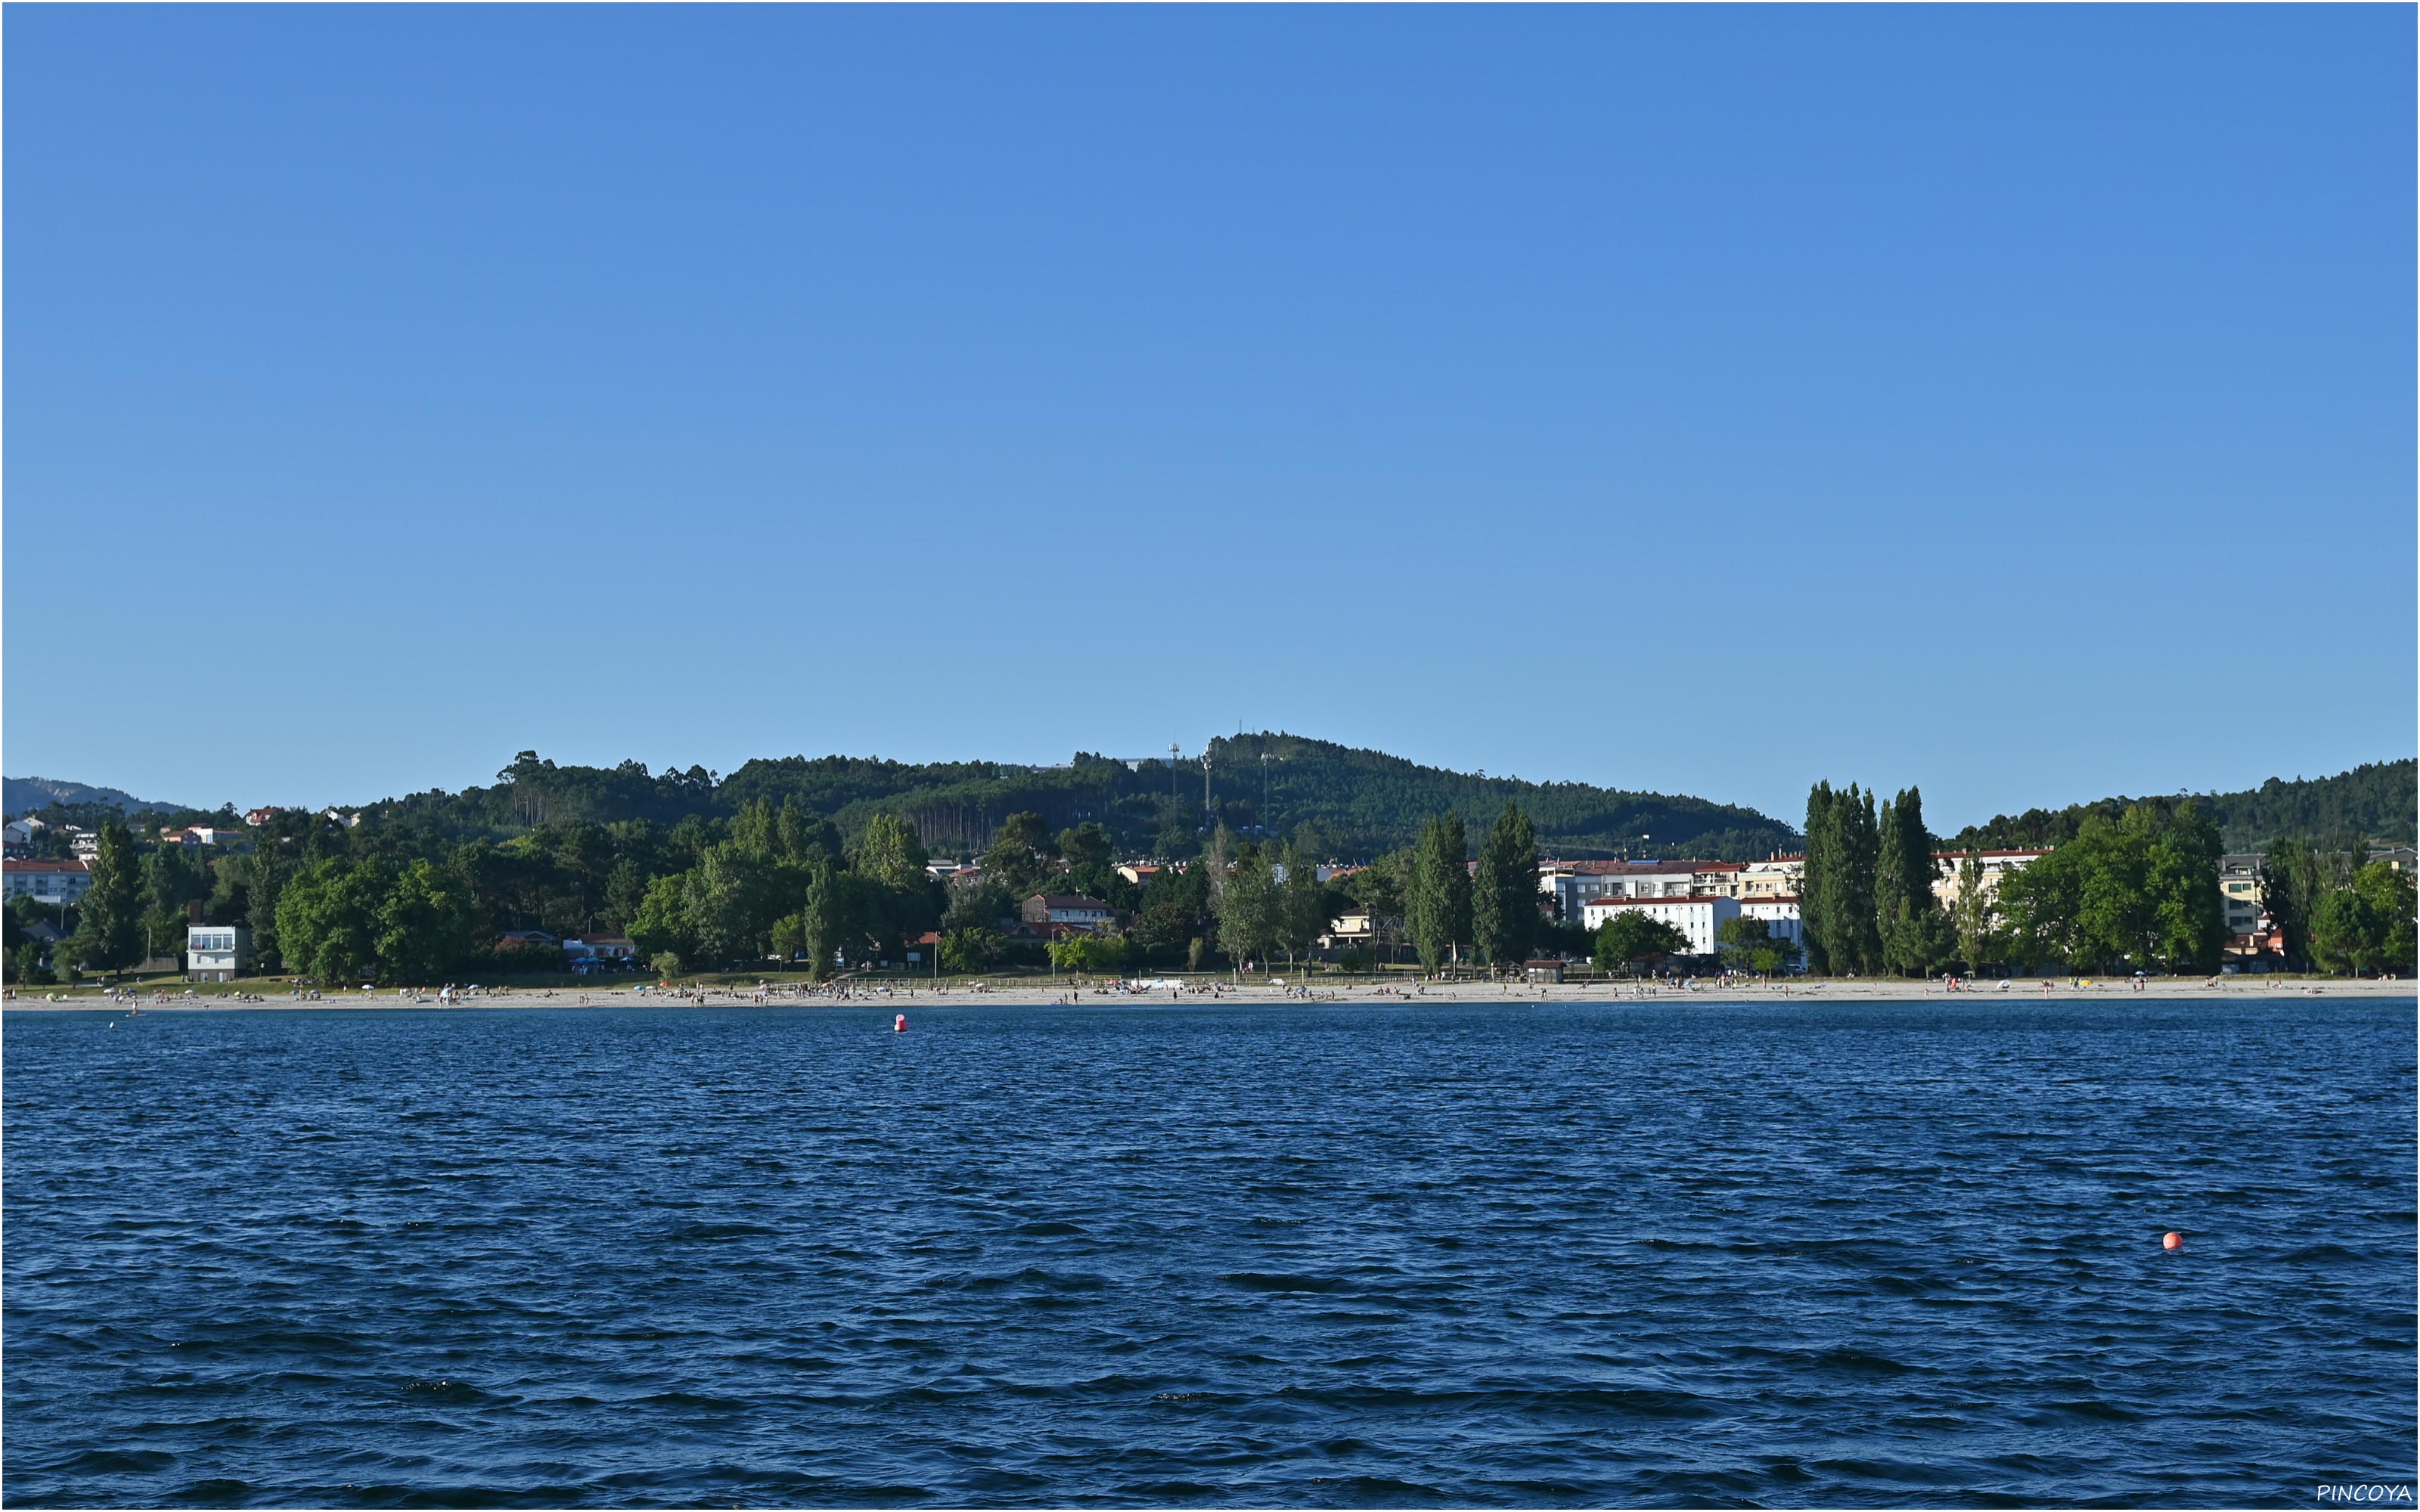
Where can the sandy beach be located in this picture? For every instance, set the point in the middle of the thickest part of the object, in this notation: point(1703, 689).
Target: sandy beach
point(900, 995)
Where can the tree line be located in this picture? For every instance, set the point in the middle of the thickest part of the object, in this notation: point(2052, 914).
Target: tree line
point(2137, 888)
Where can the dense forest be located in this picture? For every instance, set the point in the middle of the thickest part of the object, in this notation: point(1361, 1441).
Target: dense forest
point(1355, 804)
point(2378, 802)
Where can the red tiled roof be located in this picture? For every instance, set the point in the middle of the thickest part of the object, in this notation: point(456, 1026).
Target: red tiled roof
point(16, 865)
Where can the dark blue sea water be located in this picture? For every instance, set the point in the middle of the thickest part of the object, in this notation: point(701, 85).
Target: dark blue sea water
point(1517, 1255)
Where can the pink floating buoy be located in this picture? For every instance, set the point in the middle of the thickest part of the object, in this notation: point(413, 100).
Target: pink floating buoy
point(2172, 1240)
point(899, 1026)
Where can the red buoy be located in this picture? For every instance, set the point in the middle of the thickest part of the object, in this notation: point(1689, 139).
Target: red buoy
point(2172, 1240)
point(899, 1026)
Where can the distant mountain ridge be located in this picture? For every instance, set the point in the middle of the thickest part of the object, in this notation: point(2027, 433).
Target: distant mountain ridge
point(2377, 801)
point(24, 794)
point(1356, 802)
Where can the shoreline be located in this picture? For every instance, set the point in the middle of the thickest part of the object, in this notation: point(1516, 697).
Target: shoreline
point(900, 997)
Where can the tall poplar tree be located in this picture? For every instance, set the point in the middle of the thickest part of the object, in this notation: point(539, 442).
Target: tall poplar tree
point(1504, 893)
point(109, 917)
point(1818, 882)
point(1864, 861)
point(1248, 909)
point(1436, 900)
point(1455, 847)
point(1303, 902)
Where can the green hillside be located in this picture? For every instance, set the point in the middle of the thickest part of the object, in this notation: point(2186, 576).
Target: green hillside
point(2378, 802)
point(1361, 802)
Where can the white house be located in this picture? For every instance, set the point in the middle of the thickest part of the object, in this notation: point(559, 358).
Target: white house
point(1697, 918)
point(215, 952)
point(46, 881)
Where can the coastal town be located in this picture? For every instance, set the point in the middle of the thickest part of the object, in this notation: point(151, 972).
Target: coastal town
point(1697, 905)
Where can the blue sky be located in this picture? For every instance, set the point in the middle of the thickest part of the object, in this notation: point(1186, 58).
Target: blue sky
point(2015, 401)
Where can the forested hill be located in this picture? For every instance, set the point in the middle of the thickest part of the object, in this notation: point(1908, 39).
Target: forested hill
point(24, 794)
point(1360, 803)
point(2378, 802)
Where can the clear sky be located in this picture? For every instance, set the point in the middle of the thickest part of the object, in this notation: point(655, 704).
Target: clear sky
point(2015, 401)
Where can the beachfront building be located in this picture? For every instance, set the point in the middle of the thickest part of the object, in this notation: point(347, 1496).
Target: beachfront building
point(1071, 909)
point(216, 953)
point(1696, 917)
point(63, 883)
point(1996, 864)
point(1351, 931)
point(1574, 885)
point(2238, 889)
point(1781, 920)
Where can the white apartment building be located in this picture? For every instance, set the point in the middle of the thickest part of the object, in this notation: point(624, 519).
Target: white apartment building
point(1996, 864)
point(215, 952)
point(1697, 918)
point(1574, 885)
point(1775, 878)
point(46, 881)
point(1780, 916)
point(2239, 888)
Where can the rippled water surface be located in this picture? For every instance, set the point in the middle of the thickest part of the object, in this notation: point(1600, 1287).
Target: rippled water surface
point(1524, 1255)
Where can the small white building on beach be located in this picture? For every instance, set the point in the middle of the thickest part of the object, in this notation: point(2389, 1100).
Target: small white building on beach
point(216, 953)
